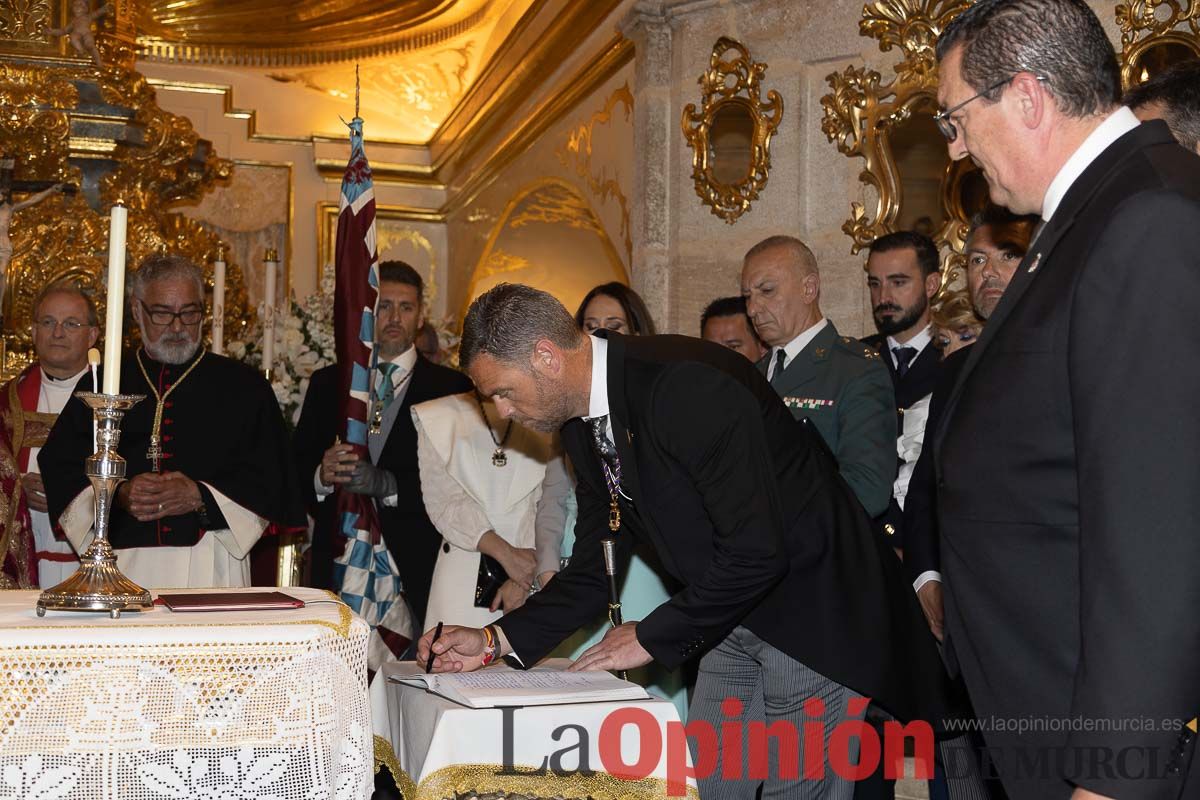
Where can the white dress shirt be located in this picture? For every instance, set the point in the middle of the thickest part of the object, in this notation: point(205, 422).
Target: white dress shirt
point(795, 346)
point(598, 393)
point(919, 342)
point(1116, 125)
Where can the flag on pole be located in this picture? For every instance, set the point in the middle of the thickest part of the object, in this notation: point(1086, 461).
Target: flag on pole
point(365, 574)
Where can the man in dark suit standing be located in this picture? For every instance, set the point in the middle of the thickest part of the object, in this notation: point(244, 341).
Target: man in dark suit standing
point(683, 445)
point(404, 378)
point(903, 276)
point(1071, 589)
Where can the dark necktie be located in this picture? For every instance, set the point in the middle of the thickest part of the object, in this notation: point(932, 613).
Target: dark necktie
point(777, 376)
point(606, 449)
point(904, 357)
point(387, 389)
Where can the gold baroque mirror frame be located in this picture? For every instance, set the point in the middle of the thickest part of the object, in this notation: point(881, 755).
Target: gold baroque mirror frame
point(1154, 35)
point(730, 135)
point(890, 126)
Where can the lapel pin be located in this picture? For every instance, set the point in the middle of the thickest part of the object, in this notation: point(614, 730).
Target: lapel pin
point(1036, 260)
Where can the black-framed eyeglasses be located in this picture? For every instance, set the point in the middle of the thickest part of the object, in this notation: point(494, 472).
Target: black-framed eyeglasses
point(189, 316)
point(942, 118)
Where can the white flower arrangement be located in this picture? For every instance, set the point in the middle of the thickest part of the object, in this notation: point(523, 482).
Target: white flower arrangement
point(304, 342)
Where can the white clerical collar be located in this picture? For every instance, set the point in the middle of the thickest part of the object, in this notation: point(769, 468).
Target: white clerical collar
point(598, 396)
point(797, 345)
point(67, 384)
point(1115, 125)
point(919, 341)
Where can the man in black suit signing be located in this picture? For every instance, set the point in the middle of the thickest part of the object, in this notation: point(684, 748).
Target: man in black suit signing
point(683, 445)
point(403, 378)
point(1070, 570)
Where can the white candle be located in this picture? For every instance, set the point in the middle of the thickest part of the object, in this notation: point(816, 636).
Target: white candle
point(115, 299)
point(218, 305)
point(270, 263)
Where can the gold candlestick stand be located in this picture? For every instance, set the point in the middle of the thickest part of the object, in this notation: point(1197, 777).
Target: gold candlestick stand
point(98, 585)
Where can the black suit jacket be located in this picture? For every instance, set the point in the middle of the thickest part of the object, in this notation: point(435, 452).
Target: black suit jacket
point(922, 376)
point(410, 536)
point(748, 512)
point(1069, 476)
point(920, 504)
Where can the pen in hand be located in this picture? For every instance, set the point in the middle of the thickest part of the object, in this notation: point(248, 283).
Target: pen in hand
point(437, 634)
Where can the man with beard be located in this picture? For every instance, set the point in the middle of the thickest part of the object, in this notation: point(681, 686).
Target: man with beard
point(403, 378)
point(209, 469)
point(837, 383)
point(903, 276)
point(794, 609)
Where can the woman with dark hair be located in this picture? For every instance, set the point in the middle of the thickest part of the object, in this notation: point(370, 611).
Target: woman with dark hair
point(617, 307)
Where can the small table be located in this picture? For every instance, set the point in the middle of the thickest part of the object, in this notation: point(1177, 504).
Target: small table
point(159, 704)
point(437, 749)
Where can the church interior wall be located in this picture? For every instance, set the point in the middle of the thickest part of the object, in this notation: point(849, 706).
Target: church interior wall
point(636, 177)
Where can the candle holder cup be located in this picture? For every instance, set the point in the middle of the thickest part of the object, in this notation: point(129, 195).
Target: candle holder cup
point(98, 584)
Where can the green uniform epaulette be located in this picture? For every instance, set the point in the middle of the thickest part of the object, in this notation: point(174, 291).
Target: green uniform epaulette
point(858, 348)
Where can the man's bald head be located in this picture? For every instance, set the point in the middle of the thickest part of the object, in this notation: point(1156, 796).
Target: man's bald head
point(782, 287)
point(788, 250)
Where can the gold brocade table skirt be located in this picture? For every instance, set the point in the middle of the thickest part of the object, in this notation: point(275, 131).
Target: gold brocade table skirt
point(184, 705)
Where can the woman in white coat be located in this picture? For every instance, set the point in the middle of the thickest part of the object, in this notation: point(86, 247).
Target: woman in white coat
point(481, 478)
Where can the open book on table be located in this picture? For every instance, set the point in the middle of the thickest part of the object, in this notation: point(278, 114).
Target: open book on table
point(500, 685)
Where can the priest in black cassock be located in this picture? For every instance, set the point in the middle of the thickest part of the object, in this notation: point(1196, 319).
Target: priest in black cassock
point(209, 464)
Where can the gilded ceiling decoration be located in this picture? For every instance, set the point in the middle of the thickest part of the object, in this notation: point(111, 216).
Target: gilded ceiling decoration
point(269, 33)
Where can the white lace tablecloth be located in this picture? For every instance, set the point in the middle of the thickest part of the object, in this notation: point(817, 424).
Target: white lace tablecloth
point(262, 705)
point(438, 749)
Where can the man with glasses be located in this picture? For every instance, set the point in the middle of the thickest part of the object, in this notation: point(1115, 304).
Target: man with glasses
point(64, 327)
point(1066, 457)
point(208, 459)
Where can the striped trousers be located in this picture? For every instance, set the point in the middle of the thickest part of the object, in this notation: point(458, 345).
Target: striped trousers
point(771, 687)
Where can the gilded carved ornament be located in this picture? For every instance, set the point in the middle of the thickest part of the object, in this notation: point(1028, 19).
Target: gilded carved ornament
point(862, 114)
point(98, 128)
point(1145, 27)
point(731, 99)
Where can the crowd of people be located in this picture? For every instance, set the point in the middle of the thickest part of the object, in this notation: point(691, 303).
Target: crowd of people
point(980, 512)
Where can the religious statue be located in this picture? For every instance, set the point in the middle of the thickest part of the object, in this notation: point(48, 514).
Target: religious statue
point(79, 29)
point(7, 209)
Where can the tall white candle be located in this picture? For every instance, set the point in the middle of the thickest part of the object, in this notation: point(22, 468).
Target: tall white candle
point(218, 304)
point(270, 265)
point(115, 299)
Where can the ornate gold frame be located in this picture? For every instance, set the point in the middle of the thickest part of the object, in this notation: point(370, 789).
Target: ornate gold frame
point(861, 112)
point(1141, 30)
point(731, 201)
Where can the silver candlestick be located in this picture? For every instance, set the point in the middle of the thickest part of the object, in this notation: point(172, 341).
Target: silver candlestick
point(98, 585)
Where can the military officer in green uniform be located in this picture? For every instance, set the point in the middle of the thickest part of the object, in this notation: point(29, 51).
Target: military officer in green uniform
point(840, 384)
